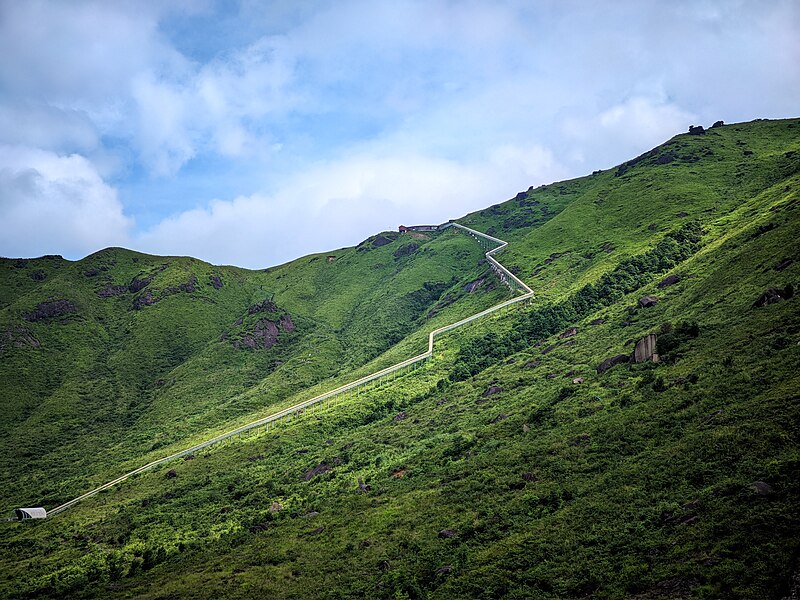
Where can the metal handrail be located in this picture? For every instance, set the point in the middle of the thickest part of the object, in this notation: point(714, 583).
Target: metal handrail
point(516, 284)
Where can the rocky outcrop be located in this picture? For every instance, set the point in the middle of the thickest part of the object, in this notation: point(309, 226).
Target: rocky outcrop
point(668, 281)
point(648, 301)
point(696, 130)
point(267, 306)
point(406, 250)
point(265, 334)
point(646, 349)
point(773, 295)
point(572, 331)
point(17, 337)
point(51, 310)
point(472, 286)
point(612, 361)
point(216, 281)
point(111, 291)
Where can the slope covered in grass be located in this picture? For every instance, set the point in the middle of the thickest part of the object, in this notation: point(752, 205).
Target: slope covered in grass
point(530, 474)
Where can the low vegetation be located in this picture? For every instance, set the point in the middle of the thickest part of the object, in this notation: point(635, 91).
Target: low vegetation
point(509, 465)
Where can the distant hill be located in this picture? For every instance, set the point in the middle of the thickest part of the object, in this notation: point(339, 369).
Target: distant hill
point(531, 458)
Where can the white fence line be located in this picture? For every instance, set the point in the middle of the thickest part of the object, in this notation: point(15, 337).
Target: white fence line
point(505, 276)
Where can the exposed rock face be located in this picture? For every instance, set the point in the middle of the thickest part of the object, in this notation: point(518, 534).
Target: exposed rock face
point(646, 349)
point(531, 364)
point(610, 362)
point(773, 295)
point(648, 301)
point(287, 324)
point(112, 290)
point(137, 284)
point(762, 488)
point(569, 333)
point(216, 281)
point(318, 470)
point(717, 124)
point(406, 250)
point(265, 333)
point(668, 281)
point(265, 306)
point(145, 299)
point(50, 310)
point(474, 285)
point(492, 390)
point(17, 337)
point(696, 130)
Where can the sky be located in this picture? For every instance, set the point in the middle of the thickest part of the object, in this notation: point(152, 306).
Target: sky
point(253, 132)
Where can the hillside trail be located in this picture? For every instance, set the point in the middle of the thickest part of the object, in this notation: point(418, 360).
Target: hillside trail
point(492, 245)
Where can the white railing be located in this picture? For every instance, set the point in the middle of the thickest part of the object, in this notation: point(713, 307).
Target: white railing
point(505, 276)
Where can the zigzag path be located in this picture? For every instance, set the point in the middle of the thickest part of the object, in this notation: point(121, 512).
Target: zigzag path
point(508, 278)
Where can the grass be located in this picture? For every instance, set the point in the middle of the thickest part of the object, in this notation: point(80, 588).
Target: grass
point(646, 481)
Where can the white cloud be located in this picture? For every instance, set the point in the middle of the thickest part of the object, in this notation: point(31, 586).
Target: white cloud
point(51, 204)
point(337, 203)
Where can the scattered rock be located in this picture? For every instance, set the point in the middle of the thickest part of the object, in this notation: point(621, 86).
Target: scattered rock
point(318, 530)
point(608, 247)
point(500, 417)
point(786, 262)
point(526, 428)
point(188, 457)
point(773, 295)
point(400, 416)
point(648, 301)
point(362, 487)
point(399, 473)
point(597, 322)
point(610, 362)
point(91, 272)
point(318, 470)
point(549, 349)
point(696, 130)
point(171, 474)
point(50, 310)
point(112, 290)
point(472, 286)
point(265, 306)
point(646, 349)
point(385, 565)
point(137, 284)
point(310, 514)
point(18, 337)
point(569, 333)
point(578, 380)
point(446, 534)
point(286, 323)
point(551, 376)
point(491, 391)
point(531, 364)
point(762, 488)
point(145, 299)
point(668, 281)
point(216, 281)
point(276, 507)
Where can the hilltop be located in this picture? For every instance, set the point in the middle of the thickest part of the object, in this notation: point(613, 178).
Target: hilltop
point(531, 458)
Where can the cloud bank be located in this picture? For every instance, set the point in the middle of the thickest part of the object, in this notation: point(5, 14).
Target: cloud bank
point(255, 132)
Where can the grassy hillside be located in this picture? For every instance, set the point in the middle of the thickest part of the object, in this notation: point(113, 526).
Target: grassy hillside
point(121, 357)
point(513, 464)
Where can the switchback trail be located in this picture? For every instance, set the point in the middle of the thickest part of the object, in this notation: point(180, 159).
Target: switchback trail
point(505, 276)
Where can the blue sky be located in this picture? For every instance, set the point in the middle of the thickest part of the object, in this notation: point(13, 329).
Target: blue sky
point(250, 132)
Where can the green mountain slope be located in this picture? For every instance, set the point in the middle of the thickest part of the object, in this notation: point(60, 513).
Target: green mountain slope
point(513, 464)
